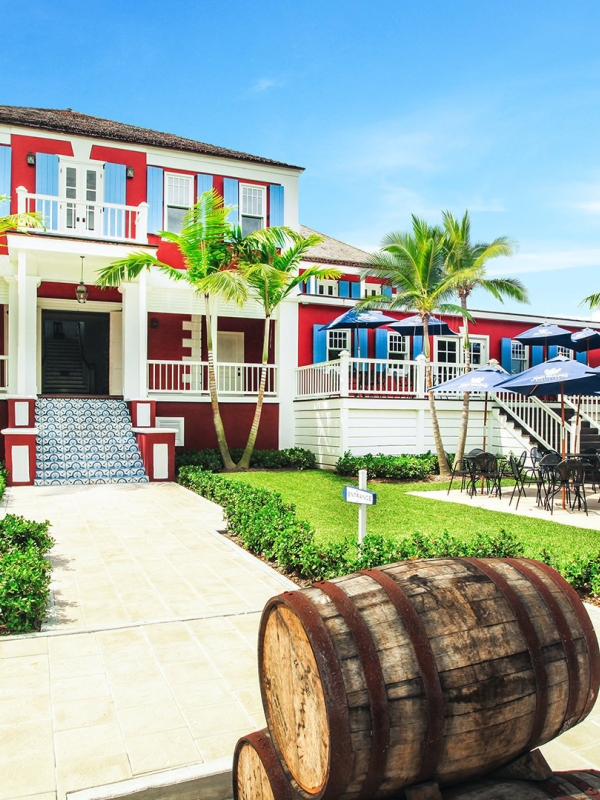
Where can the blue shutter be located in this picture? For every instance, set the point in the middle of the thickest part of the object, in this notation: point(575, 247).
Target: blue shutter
point(506, 354)
point(361, 338)
point(552, 351)
point(155, 199)
point(5, 175)
point(46, 182)
point(381, 343)
point(582, 357)
point(417, 345)
point(204, 183)
point(275, 206)
point(231, 197)
point(114, 192)
point(344, 289)
point(537, 355)
point(355, 290)
point(319, 344)
point(387, 290)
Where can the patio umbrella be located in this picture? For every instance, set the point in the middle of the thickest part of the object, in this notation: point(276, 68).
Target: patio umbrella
point(483, 379)
point(585, 340)
point(413, 326)
point(358, 318)
point(546, 335)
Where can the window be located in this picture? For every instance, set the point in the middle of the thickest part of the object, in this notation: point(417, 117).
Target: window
point(479, 351)
point(518, 357)
point(372, 290)
point(447, 350)
point(252, 205)
point(336, 342)
point(179, 197)
point(397, 347)
point(327, 288)
point(565, 351)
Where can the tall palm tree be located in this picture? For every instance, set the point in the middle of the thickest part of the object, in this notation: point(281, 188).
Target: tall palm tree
point(463, 254)
point(269, 263)
point(207, 243)
point(415, 264)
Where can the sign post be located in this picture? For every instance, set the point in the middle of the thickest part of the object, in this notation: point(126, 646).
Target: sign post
point(363, 498)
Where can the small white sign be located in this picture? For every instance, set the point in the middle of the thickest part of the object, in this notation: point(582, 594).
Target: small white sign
point(353, 495)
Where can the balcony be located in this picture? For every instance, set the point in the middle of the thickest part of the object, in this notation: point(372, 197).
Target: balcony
point(190, 378)
point(88, 220)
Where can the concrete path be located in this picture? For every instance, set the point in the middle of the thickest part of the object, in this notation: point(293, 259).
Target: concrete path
point(148, 660)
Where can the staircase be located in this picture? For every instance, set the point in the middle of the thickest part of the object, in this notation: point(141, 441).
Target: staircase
point(85, 440)
point(63, 367)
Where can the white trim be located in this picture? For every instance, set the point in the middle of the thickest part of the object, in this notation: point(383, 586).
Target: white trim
point(173, 423)
point(94, 306)
point(263, 192)
point(189, 179)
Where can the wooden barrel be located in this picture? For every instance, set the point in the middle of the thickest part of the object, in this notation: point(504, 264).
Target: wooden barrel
point(440, 669)
point(257, 771)
point(562, 785)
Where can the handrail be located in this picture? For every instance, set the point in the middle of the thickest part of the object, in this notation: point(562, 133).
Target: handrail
point(191, 377)
point(538, 419)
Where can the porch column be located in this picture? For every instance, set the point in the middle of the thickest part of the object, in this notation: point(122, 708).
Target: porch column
point(23, 331)
point(286, 359)
point(135, 339)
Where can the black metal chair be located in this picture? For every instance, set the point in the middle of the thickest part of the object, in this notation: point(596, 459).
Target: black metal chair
point(521, 476)
point(568, 476)
point(487, 471)
point(545, 477)
point(460, 469)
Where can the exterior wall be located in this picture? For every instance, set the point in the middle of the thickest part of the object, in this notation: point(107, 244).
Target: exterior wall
point(237, 418)
point(165, 341)
point(3, 424)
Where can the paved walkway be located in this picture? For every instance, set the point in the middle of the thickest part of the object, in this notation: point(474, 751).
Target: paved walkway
point(148, 659)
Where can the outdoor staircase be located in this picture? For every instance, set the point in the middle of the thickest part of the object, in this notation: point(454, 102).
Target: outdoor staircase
point(63, 367)
point(86, 440)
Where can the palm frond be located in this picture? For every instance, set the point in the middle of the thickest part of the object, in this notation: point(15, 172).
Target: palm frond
point(127, 269)
point(592, 300)
point(505, 287)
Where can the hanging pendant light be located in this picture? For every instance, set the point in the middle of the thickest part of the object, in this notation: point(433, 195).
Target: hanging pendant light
point(81, 293)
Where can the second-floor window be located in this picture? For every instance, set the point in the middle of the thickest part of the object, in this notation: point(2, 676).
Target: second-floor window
point(327, 288)
point(252, 208)
point(336, 342)
point(397, 347)
point(179, 197)
point(565, 351)
point(518, 357)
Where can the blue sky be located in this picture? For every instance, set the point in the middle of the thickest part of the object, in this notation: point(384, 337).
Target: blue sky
point(392, 107)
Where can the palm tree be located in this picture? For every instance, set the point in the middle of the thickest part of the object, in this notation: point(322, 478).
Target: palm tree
point(269, 264)
point(207, 243)
point(463, 254)
point(30, 220)
point(415, 264)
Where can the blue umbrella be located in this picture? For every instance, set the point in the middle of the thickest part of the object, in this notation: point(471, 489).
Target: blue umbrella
point(545, 335)
point(413, 326)
point(585, 340)
point(358, 318)
point(482, 379)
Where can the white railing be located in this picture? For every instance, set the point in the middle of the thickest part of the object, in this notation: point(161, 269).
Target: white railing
point(87, 219)
point(191, 377)
point(588, 407)
point(370, 377)
point(538, 419)
point(3, 374)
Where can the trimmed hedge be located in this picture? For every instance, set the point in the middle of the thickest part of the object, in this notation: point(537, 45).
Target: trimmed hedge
point(269, 527)
point(291, 458)
point(400, 468)
point(24, 573)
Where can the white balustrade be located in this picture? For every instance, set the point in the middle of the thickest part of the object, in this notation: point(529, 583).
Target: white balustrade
point(191, 377)
point(538, 419)
point(318, 380)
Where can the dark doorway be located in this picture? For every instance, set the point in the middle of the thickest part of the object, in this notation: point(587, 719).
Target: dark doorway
point(75, 353)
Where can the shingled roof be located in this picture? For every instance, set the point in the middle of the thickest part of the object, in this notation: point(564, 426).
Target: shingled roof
point(332, 251)
point(65, 120)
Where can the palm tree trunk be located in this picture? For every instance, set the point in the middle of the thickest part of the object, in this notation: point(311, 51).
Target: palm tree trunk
point(445, 473)
point(244, 462)
point(214, 394)
point(464, 418)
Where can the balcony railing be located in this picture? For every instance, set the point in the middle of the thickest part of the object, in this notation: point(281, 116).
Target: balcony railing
point(191, 378)
point(370, 377)
point(86, 219)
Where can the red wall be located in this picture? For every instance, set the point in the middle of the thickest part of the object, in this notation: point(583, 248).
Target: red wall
point(237, 419)
point(253, 338)
point(3, 424)
point(66, 291)
point(164, 342)
point(136, 190)
point(24, 175)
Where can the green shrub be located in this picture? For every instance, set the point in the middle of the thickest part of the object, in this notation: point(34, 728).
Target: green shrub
point(3, 476)
point(24, 588)
point(295, 458)
point(400, 468)
point(19, 533)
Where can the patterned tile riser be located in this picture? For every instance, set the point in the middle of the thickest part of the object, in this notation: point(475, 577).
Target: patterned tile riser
point(86, 441)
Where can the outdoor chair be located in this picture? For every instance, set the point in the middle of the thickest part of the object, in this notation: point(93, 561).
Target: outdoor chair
point(461, 469)
point(536, 456)
point(545, 477)
point(487, 471)
point(568, 476)
point(521, 476)
point(591, 462)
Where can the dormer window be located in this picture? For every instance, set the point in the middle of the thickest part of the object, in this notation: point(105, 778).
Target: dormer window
point(253, 207)
point(179, 197)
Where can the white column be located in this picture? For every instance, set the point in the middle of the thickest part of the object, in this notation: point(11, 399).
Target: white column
point(27, 331)
point(286, 358)
point(135, 339)
point(13, 334)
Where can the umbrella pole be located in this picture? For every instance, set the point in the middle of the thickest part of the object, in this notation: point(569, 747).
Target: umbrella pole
point(562, 435)
point(485, 412)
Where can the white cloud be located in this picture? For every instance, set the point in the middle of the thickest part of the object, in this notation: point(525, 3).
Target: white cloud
point(263, 84)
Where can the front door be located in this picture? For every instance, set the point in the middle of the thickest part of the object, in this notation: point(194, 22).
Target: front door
point(75, 353)
point(82, 190)
point(230, 352)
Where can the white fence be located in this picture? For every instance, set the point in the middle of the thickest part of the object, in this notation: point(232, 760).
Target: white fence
point(191, 377)
point(538, 419)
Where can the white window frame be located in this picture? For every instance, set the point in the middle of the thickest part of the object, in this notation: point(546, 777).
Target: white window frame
point(522, 349)
point(485, 344)
point(327, 288)
point(262, 190)
point(332, 335)
point(402, 353)
point(565, 351)
point(371, 289)
point(437, 340)
point(166, 205)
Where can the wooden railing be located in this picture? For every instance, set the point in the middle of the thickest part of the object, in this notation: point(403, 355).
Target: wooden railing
point(191, 377)
point(87, 219)
point(538, 419)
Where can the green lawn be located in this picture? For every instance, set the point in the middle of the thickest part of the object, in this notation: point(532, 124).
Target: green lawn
point(317, 496)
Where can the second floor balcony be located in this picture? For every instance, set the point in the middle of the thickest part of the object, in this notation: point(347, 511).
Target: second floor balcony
point(87, 219)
